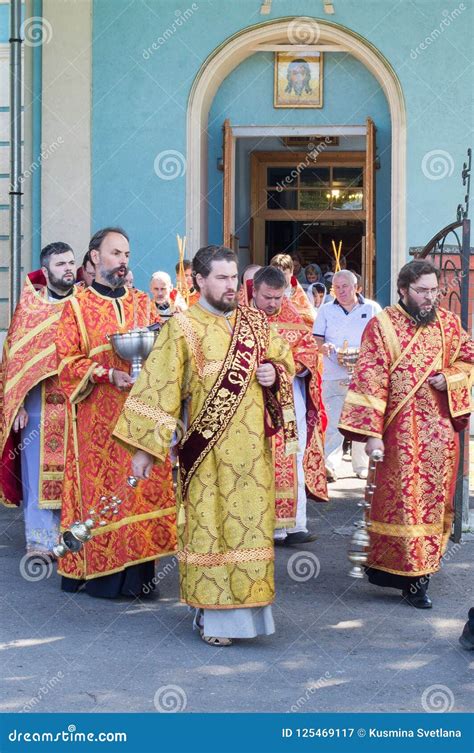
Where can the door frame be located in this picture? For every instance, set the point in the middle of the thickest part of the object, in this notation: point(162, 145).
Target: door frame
point(259, 213)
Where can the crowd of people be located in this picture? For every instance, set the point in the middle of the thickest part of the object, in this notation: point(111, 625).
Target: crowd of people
point(237, 418)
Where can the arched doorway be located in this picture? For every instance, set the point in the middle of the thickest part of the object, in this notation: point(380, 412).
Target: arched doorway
point(246, 43)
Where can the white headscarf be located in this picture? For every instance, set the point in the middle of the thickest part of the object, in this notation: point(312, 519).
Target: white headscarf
point(309, 293)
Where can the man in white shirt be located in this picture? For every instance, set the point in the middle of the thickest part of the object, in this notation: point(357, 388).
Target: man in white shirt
point(339, 325)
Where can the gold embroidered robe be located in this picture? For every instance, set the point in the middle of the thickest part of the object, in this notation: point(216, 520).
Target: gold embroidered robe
point(29, 358)
point(291, 327)
point(96, 464)
point(226, 519)
point(412, 509)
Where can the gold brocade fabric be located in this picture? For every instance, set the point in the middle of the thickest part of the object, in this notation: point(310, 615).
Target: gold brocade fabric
point(290, 326)
point(390, 398)
point(300, 301)
point(96, 465)
point(29, 357)
point(226, 520)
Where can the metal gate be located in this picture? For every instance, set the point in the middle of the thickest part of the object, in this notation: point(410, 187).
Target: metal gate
point(450, 251)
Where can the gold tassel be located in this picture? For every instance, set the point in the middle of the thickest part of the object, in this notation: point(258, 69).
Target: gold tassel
point(181, 516)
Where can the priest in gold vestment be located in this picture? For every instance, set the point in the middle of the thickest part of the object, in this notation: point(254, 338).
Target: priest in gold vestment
point(218, 375)
point(409, 396)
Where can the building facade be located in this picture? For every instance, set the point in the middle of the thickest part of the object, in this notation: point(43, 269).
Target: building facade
point(196, 119)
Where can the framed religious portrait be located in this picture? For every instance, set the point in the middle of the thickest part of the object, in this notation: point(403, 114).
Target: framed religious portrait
point(298, 80)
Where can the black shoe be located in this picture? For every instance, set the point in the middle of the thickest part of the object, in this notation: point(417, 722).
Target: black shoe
point(418, 600)
point(467, 638)
point(300, 537)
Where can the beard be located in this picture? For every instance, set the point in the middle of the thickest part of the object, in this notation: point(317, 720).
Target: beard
point(114, 280)
point(421, 316)
point(60, 283)
point(220, 304)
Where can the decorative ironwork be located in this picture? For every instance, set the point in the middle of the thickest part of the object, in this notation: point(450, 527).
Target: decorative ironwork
point(463, 210)
point(453, 261)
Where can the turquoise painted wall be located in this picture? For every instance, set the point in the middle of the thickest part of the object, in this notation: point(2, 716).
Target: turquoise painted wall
point(140, 95)
point(350, 95)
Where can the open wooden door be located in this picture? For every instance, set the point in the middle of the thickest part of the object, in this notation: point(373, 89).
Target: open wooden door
point(228, 151)
point(368, 255)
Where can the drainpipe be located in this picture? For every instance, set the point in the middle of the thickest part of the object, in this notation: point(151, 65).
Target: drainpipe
point(15, 153)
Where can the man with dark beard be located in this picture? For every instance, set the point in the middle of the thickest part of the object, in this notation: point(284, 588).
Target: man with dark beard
point(409, 396)
point(32, 406)
point(217, 367)
point(119, 560)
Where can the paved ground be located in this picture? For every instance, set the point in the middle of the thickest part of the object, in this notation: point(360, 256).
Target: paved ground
point(341, 644)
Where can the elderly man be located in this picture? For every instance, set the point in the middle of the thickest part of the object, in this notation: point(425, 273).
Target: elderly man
point(167, 300)
point(340, 325)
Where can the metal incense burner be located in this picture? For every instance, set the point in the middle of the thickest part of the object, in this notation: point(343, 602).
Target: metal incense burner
point(347, 357)
point(80, 532)
point(134, 346)
point(358, 553)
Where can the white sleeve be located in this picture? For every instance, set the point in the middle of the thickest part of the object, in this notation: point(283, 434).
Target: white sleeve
point(319, 326)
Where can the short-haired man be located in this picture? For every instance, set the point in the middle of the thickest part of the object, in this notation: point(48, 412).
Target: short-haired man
point(167, 300)
point(119, 560)
point(223, 363)
point(339, 326)
point(32, 405)
point(86, 271)
point(294, 291)
point(409, 395)
point(305, 471)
